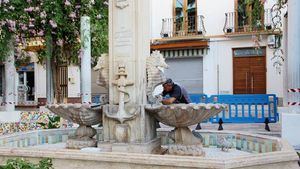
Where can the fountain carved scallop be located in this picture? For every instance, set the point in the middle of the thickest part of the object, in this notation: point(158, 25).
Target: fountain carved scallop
point(83, 115)
point(181, 116)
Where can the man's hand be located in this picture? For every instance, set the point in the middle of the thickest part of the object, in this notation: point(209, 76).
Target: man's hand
point(169, 101)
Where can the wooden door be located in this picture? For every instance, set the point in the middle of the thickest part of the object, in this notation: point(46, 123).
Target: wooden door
point(62, 83)
point(241, 75)
point(258, 75)
point(249, 73)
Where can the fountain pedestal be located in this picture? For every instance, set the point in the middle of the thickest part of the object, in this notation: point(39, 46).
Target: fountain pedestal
point(136, 135)
point(83, 138)
point(186, 143)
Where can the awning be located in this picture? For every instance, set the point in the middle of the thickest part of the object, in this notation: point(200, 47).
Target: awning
point(180, 44)
point(184, 53)
point(26, 68)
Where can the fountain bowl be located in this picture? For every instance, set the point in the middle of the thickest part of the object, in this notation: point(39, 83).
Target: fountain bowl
point(78, 113)
point(85, 116)
point(183, 115)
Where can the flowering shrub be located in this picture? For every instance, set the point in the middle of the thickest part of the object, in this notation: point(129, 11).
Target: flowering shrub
point(20, 163)
point(57, 22)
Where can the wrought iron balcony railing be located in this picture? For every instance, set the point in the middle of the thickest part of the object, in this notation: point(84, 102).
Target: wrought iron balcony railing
point(243, 23)
point(183, 26)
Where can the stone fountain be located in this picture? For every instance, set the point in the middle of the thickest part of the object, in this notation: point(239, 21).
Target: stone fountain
point(130, 75)
point(180, 117)
point(129, 137)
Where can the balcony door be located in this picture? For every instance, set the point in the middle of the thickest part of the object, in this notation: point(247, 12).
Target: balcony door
point(249, 71)
point(246, 17)
point(185, 17)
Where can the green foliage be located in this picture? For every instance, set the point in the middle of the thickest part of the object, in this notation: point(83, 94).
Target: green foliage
point(254, 14)
point(58, 19)
point(5, 37)
point(53, 122)
point(20, 163)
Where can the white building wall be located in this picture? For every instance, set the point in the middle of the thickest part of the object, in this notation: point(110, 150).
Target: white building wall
point(220, 55)
point(220, 49)
point(160, 9)
point(40, 81)
point(214, 14)
point(73, 81)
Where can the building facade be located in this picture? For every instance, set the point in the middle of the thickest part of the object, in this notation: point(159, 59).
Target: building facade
point(30, 85)
point(218, 47)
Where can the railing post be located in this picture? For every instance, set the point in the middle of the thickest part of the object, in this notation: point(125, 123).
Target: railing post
point(220, 124)
point(267, 127)
point(198, 127)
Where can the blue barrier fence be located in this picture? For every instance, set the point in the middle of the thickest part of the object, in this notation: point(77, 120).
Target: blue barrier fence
point(198, 98)
point(248, 108)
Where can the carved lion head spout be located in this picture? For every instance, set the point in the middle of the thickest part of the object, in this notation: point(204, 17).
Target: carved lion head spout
point(155, 65)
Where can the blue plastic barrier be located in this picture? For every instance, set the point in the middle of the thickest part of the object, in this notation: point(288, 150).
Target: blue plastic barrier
point(96, 98)
point(248, 108)
point(198, 98)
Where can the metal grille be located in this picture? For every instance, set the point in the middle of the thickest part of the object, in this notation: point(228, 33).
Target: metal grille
point(62, 81)
point(184, 53)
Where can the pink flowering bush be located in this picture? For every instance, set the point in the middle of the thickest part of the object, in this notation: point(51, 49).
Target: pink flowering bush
point(57, 22)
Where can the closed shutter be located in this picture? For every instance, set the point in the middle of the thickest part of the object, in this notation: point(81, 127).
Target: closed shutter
point(187, 72)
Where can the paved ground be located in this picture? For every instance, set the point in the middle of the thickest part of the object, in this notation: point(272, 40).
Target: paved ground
point(248, 127)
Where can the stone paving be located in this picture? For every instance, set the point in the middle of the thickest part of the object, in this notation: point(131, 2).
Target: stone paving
point(256, 128)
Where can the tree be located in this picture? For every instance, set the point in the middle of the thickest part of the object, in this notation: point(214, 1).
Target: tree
point(56, 23)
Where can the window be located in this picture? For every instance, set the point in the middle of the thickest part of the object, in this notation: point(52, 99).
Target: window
point(185, 15)
point(250, 15)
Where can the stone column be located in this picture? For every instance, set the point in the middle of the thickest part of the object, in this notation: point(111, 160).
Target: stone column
point(10, 72)
point(86, 88)
point(129, 45)
point(49, 75)
point(291, 117)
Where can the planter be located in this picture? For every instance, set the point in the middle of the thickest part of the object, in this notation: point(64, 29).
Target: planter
point(268, 27)
point(165, 35)
point(200, 33)
point(229, 30)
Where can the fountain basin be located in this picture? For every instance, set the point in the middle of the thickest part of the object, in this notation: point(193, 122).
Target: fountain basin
point(183, 115)
point(273, 153)
point(83, 115)
point(78, 113)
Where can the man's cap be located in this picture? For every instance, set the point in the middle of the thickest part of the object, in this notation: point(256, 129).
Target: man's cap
point(168, 81)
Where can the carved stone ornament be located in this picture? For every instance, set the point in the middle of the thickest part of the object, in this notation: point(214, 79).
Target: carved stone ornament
point(122, 4)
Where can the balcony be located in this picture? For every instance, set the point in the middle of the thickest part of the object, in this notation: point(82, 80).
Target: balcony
point(183, 27)
point(242, 24)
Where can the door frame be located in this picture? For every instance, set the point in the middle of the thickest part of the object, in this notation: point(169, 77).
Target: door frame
point(264, 48)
